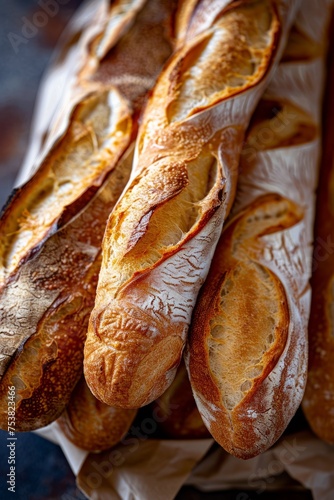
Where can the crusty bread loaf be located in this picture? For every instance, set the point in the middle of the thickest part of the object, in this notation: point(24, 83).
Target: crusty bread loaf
point(86, 43)
point(100, 127)
point(44, 312)
point(178, 416)
point(92, 425)
point(50, 250)
point(247, 351)
point(318, 402)
point(161, 236)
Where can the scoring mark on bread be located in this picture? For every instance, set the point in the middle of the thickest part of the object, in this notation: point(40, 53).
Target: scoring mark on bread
point(225, 60)
point(236, 329)
point(278, 124)
point(98, 131)
point(174, 210)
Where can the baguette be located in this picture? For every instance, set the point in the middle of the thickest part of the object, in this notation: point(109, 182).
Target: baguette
point(161, 236)
point(86, 41)
point(44, 312)
point(247, 350)
point(92, 425)
point(318, 402)
point(52, 263)
point(100, 128)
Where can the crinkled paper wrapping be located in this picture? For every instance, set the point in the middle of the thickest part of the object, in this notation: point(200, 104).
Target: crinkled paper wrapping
point(151, 469)
point(304, 457)
point(148, 469)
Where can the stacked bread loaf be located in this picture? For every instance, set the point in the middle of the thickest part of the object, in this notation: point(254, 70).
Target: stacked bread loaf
point(52, 228)
point(318, 402)
point(169, 166)
point(92, 425)
point(247, 353)
point(161, 236)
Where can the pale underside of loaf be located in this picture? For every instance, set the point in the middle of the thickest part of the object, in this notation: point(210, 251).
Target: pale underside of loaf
point(178, 416)
point(161, 236)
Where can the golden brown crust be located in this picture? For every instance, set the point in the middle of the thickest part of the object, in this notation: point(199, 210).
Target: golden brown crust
point(240, 327)
point(276, 115)
point(119, 15)
point(247, 352)
point(92, 146)
point(135, 62)
point(92, 425)
point(160, 237)
point(101, 126)
point(45, 306)
point(318, 403)
point(52, 297)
